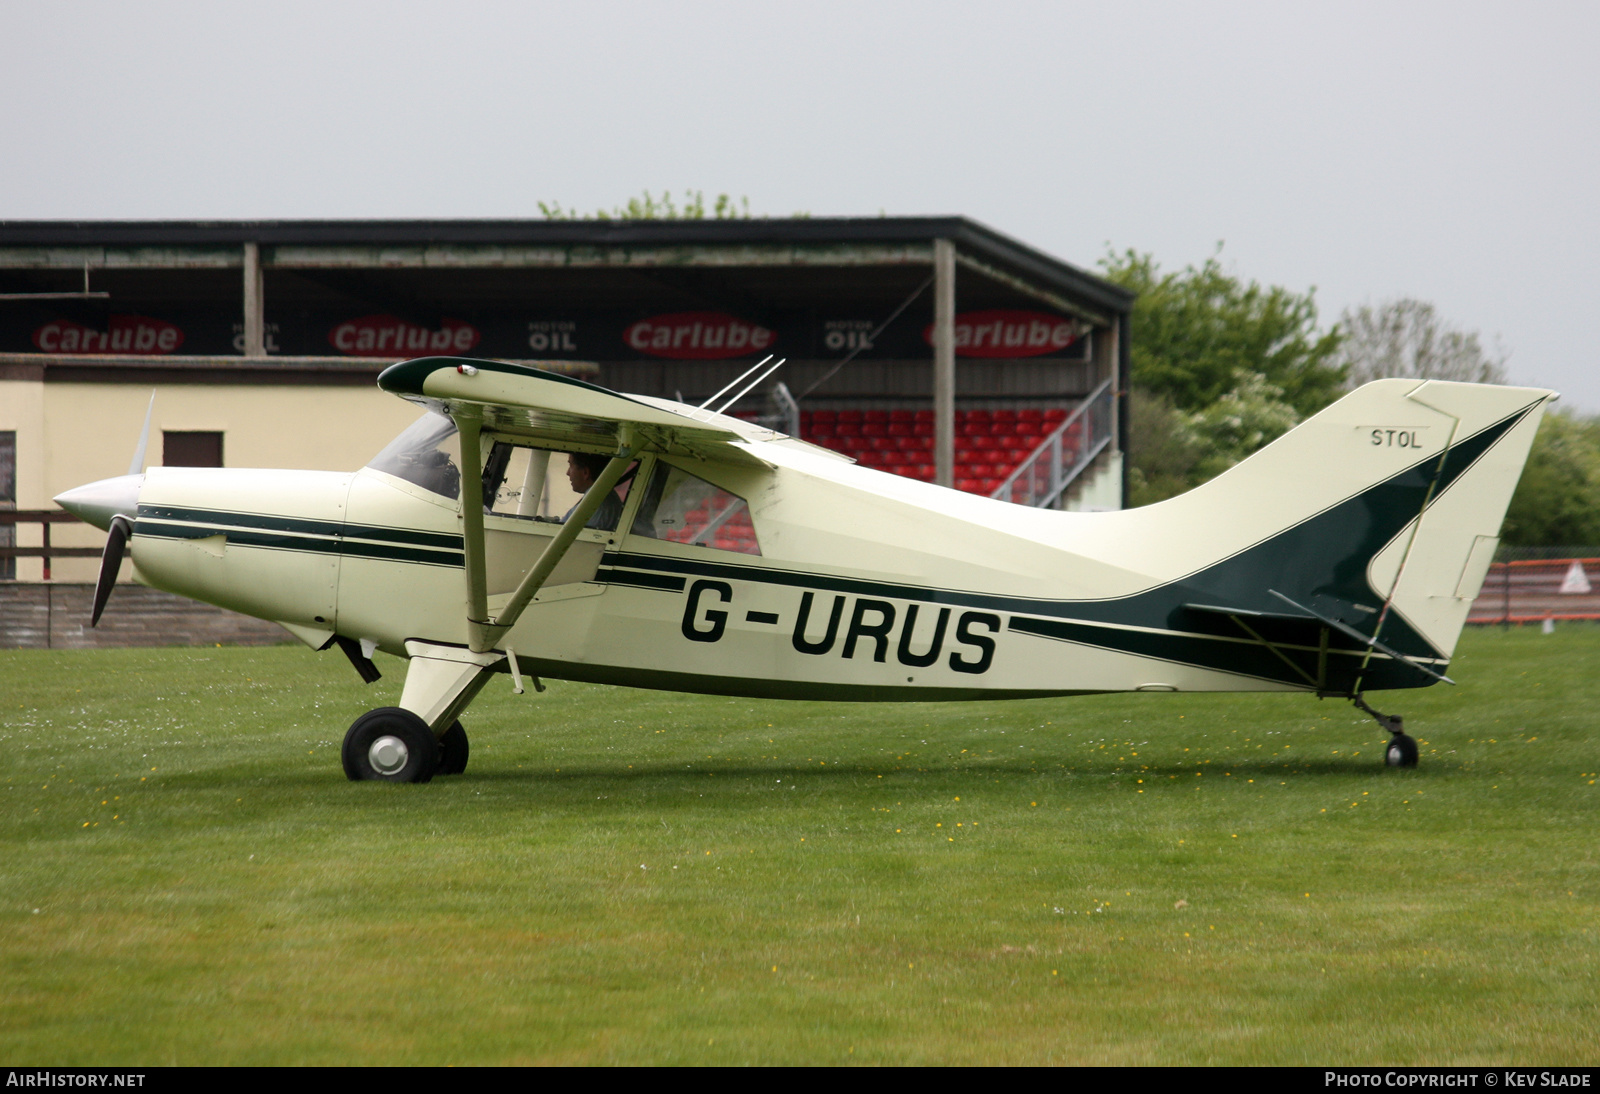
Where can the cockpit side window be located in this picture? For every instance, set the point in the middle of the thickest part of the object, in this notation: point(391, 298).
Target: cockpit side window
point(539, 484)
point(428, 454)
point(683, 508)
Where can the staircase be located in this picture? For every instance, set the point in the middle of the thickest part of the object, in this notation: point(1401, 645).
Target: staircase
point(1024, 456)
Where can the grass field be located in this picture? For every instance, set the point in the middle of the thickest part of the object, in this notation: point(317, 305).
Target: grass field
point(640, 877)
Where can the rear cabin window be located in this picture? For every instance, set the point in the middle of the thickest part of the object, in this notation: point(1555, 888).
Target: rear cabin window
point(683, 508)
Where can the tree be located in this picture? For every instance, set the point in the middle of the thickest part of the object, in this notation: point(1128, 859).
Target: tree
point(1220, 368)
point(1200, 333)
point(1163, 450)
point(1557, 503)
point(1170, 452)
point(650, 207)
point(1407, 338)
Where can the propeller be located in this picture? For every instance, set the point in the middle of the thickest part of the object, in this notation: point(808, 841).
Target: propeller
point(121, 527)
point(110, 563)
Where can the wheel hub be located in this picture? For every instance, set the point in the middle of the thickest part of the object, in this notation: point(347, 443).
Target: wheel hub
point(388, 755)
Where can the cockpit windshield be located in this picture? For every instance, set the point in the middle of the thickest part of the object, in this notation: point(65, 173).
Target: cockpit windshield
point(428, 454)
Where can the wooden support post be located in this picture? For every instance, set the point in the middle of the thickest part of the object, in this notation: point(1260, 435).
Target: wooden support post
point(255, 314)
point(1113, 372)
point(944, 362)
point(1122, 364)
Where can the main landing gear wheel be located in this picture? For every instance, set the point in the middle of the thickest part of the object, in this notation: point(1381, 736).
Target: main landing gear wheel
point(1402, 751)
point(453, 750)
point(392, 745)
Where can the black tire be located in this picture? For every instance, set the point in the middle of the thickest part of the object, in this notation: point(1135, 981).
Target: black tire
point(1402, 751)
point(453, 750)
point(390, 745)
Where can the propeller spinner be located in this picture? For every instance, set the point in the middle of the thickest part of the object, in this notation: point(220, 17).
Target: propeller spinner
point(111, 505)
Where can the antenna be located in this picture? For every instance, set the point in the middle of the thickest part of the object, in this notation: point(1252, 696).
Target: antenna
point(735, 380)
point(745, 390)
point(869, 340)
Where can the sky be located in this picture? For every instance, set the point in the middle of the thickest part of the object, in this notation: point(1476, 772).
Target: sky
point(1446, 152)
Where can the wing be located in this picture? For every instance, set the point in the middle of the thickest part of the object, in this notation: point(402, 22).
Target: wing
point(563, 412)
point(559, 412)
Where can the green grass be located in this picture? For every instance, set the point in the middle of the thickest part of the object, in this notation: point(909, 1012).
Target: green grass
point(640, 877)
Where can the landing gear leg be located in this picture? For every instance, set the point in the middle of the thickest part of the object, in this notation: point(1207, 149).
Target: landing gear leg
point(422, 736)
point(1402, 750)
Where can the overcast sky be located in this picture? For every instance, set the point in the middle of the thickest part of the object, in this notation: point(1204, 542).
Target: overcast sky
point(1442, 151)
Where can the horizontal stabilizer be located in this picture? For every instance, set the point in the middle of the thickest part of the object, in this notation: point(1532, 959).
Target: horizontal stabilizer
point(1368, 640)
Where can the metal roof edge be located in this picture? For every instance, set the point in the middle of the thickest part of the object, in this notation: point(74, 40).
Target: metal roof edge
point(999, 249)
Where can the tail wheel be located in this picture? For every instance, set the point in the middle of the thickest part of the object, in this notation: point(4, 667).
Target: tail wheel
point(390, 745)
point(453, 750)
point(1402, 751)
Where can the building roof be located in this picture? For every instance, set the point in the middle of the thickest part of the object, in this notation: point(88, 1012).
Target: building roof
point(862, 241)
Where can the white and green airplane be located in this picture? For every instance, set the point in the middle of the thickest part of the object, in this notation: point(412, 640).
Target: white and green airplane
point(710, 555)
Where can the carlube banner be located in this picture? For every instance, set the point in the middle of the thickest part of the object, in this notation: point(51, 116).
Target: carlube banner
point(1005, 332)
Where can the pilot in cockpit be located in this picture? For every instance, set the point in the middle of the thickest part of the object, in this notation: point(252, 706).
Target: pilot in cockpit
point(583, 469)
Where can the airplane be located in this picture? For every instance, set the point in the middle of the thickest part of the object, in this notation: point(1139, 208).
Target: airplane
point(712, 555)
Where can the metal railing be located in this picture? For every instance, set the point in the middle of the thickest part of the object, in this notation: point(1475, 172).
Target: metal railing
point(1064, 454)
point(10, 518)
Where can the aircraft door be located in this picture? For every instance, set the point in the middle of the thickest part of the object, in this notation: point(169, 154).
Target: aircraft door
point(527, 492)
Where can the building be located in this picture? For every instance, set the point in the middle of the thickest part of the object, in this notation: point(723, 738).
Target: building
point(932, 347)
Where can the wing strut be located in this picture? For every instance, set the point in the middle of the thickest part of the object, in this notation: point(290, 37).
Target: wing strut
point(483, 631)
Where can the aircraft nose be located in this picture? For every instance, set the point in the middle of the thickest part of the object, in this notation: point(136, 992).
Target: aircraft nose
point(97, 502)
